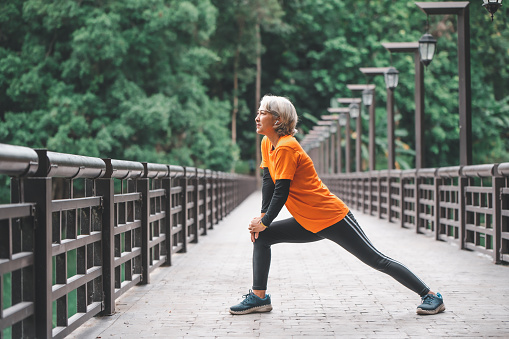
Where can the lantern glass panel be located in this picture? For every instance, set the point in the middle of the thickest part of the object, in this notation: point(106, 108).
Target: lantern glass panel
point(367, 97)
point(391, 78)
point(427, 46)
point(354, 110)
point(342, 120)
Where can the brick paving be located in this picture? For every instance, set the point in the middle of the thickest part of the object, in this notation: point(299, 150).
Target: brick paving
point(318, 290)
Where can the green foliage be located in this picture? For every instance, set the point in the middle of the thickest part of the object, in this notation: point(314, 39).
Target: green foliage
point(113, 79)
point(152, 80)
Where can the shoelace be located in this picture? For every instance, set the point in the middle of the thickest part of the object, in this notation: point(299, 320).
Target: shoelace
point(428, 298)
point(247, 297)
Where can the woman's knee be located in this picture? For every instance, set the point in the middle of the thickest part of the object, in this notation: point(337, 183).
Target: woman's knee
point(262, 241)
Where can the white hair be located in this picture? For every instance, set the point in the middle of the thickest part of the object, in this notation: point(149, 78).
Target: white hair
point(282, 109)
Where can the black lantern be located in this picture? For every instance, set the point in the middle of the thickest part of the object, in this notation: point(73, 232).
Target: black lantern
point(391, 78)
point(354, 110)
point(427, 45)
point(492, 6)
point(367, 97)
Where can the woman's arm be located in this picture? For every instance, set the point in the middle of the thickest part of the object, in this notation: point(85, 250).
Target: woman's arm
point(267, 190)
point(278, 199)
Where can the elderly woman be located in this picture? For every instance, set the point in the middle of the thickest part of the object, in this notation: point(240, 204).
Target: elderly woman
point(289, 178)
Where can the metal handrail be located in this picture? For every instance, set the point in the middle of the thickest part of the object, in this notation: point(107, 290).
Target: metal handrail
point(18, 161)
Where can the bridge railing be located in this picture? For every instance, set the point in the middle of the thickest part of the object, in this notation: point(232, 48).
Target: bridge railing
point(80, 231)
point(467, 206)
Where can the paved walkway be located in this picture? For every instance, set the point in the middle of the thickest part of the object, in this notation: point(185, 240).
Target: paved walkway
point(318, 290)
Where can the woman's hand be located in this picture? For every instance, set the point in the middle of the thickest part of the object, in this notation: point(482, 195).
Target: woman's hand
point(255, 227)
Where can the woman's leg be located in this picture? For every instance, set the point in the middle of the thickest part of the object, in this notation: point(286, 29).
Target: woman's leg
point(348, 234)
point(288, 231)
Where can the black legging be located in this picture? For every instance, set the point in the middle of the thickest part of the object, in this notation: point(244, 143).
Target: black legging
point(347, 233)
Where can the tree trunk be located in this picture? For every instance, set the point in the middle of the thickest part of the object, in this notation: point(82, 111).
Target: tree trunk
point(235, 95)
point(257, 96)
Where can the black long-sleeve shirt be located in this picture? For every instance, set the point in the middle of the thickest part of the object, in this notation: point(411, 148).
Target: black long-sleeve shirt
point(274, 196)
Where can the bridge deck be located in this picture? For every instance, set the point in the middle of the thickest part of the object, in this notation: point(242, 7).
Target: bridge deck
point(317, 289)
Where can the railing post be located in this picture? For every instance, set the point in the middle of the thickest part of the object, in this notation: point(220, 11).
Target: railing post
point(209, 193)
point(437, 184)
point(196, 210)
point(389, 196)
point(497, 184)
point(184, 183)
point(379, 201)
point(220, 196)
point(38, 191)
point(166, 185)
point(462, 182)
point(215, 190)
point(402, 200)
point(106, 190)
point(202, 178)
point(142, 186)
point(417, 183)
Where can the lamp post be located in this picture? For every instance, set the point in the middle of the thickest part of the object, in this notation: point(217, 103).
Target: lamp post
point(318, 138)
point(391, 81)
point(460, 9)
point(336, 144)
point(343, 120)
point(368, 99)
point(323, 135)
point(413, 47)
point(329, 147)
point(354, 113)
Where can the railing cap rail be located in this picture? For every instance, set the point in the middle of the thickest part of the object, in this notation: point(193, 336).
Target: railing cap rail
point(503, 169)
point(487, 170)
point(190, 172)
point(154, 171)
point(427, 172)
point(450, 172)
point(409, 173)
point(395, 173)
point(176, 171)
point(18, 160)
point(63, 165)
point(123, 169)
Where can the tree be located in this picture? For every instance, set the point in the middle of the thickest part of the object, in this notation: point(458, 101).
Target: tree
point(113, 79)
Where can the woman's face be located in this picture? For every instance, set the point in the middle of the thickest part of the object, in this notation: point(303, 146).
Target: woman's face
point(265, 121)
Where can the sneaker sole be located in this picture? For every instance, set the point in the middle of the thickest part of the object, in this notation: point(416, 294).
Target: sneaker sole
point(439, 309)
point(257, 309)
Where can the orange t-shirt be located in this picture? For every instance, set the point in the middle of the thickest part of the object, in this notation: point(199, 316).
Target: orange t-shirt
point(310, 202)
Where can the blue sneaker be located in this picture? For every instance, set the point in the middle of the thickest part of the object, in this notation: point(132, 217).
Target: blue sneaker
point(431, 304)
point(251, 304)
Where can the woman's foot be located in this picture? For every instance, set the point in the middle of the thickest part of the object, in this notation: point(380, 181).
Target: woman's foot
point(431, 304)
point(252, 304)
